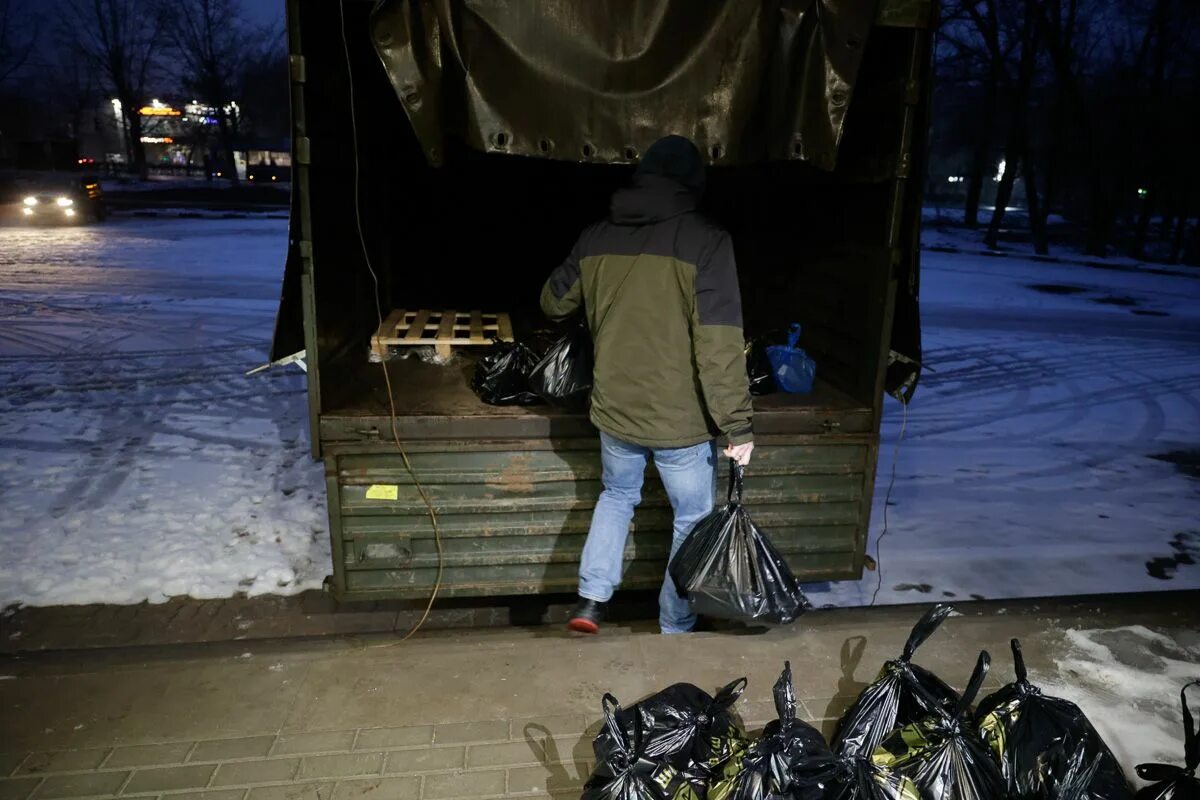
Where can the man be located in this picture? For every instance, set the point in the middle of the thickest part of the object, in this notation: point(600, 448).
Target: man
point(659, 287)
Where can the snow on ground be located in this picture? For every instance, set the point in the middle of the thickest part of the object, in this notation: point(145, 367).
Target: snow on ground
point(1127, 681)
point(138, 462)
point(1028, 464)
point(945, 228)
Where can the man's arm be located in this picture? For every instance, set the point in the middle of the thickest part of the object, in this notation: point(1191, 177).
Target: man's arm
point(563, 294)
point(719, 345)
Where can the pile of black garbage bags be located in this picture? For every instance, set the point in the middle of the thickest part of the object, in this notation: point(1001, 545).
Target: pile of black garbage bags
point(909, 736)
point(538, 370)
point(557, 370)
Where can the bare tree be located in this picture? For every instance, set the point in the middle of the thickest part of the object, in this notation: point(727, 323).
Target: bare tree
point(18, 34)
point(1093, 103)
point(122, 39)
point(1017, 147)
point(70, 80)
point(264, 87)
point(1089, 112)
point(214, 43)
point(972, 27)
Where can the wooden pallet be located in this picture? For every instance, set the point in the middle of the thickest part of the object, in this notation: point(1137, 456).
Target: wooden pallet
point(443, 330)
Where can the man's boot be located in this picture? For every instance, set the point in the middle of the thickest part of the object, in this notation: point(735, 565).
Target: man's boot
point(587, 616)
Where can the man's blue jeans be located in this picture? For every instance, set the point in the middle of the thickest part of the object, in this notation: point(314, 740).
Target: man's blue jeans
point(687, 474)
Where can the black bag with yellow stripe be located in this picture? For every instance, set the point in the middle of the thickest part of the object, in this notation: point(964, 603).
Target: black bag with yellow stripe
point(1033, 737)
point(688, 727)
point(942, 754)
point(623, 770)
point(903, 693)
point(765, 770)
point(690, 735)
point(834, 777)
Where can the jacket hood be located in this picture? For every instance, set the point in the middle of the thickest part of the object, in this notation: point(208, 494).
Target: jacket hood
point(651, 198)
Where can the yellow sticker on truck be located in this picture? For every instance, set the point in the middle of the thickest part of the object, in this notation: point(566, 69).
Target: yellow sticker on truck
point(383, 491)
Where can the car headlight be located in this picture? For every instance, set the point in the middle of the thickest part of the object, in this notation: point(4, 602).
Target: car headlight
point(28, 211)
point(70, 212)
point(30, 201)
point(63, 202)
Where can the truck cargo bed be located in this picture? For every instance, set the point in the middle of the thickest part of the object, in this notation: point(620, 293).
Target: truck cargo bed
point(514, 487)
point(435, 401)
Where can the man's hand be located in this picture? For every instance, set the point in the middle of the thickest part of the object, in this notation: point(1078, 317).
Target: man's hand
point(740, 452)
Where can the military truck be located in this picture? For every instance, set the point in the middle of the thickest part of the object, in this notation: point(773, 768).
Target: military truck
point(447, 153)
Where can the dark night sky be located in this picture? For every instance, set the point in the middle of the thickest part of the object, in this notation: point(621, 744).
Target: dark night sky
point(257, 12)
point(263, 12)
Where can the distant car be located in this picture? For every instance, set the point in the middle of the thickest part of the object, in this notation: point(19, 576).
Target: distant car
point(268, 173)
point(65, 202)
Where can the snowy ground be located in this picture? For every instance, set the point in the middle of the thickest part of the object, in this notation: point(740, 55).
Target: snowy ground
point(1127, 681)
point(138, 462)
point(1028, 464)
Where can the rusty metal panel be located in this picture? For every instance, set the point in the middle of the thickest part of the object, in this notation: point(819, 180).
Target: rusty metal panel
point(514, 515)
point(569, 461)
point(508, 579)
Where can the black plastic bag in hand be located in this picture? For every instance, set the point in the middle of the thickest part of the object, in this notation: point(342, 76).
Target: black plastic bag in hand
point(943, 754)
point(623, 772)
point(563, 376)
point(766, 769)
point(758, 368)
point(685, 726)
point(832, 777)
point(902, 693)
point(1033, 735)
point(1170, 782)
point(502, 375)
point(728, 568)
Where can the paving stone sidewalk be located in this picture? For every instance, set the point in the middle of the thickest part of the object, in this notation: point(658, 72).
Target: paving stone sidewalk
point(471, 714)
point(544, 756)
point(539, 756)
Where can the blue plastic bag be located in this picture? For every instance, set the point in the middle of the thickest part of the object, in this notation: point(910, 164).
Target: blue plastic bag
point(794, 371)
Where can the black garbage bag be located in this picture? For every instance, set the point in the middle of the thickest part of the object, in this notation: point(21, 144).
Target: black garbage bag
point(728, 568)
point(1033, 736)
point(502, 375)
point(688, 728)
point(943, 754)
point(563, 376)
point(1072, 782)
point(765, 770)
point(624, 772)
point(1170, 782)
point(758, 368)
point(833, 777)
point(903, 692)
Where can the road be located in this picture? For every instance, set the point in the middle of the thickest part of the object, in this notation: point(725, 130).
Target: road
point(1051, 448)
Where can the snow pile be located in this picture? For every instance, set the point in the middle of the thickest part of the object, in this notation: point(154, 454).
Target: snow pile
point(1127, 681)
